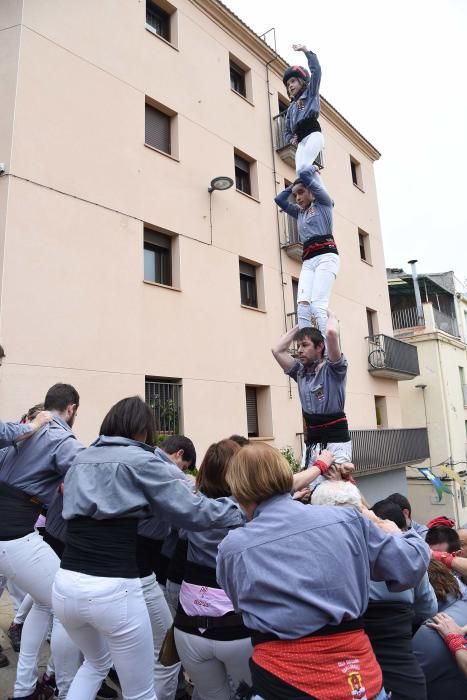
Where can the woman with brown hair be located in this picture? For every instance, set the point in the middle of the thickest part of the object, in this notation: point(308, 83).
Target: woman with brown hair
point(213, 644)
point(300, 577)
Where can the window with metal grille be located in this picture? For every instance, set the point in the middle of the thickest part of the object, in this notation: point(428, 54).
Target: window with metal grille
point(242, 175)
point(157, 129)
point(164, 396)
point(158, 19)
point(157, 257)
point(251, 411)
point(237, 79)
point(248, 291)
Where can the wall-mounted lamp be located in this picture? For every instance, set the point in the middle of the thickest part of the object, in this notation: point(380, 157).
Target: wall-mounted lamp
point(220, 183)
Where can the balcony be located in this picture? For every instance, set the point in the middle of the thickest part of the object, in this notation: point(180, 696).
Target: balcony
point(291, 245)
point(445, 323)
point(284, 149)
point(382, 449)
point(392, 359)
point(428, 319)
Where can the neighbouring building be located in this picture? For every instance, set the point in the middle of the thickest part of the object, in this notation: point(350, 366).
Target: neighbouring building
point(436, 398)
point(122, 273)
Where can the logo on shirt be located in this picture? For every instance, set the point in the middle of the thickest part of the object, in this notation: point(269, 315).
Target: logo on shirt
point(319, 394)
point(310, 212)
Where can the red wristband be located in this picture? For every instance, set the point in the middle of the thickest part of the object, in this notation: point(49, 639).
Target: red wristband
point(455, 642)
point(322, 466)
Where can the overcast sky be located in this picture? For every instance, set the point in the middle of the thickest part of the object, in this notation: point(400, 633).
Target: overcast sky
point(397, 70)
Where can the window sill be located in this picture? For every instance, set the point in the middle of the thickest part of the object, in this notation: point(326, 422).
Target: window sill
point(152, 31)
point(359, 187)
point(366, 262)
point(250, 196)
point(244, 97)
point(261, 439)
point(164, 286)
point(163, 153)
point(253, 308)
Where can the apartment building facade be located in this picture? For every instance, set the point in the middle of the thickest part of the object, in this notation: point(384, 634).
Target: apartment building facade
point(122, 273)
point(438, 396)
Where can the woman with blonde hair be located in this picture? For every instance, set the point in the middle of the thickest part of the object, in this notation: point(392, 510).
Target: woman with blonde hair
point(300, 578)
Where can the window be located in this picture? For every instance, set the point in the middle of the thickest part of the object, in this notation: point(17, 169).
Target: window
point(283, 104)
point(248, 288)
point(157, 257)
point(356, 170)
point(157, 129)
point(237, 78)
point(364, 246)
point(381, 412)
point(371, 320)
point(164, 396)
point(158, 19)
point(251, 411)
point(242, 175)
point(463, 385)
point(295, 294)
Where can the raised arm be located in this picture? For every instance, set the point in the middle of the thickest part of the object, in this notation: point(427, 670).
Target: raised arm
point(332, 338)
point(14, 432)
point(312, 181)
point(282, 201)
point(281, 349)
point(313, 65)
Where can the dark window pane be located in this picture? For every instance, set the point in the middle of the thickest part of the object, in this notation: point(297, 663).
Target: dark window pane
point(295, 294)
point(157, 264)
point(283, 106)
point(251, 411)
point(242, 175)
point(158, 19)
point(361, 243)
point(157, 129)
point(369, 319)
point(353, 167)
point(248, 294)
point(237, 79)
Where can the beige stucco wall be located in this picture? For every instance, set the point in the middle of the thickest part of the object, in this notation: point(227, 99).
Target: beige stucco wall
point(74, 304)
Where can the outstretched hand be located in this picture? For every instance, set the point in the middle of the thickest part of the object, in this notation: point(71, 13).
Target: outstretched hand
point(299, 47)
point(444, 625)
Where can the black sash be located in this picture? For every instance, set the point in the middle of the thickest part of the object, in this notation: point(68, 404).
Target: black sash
point(323, 428)
point(305, 127)
point(19, 512)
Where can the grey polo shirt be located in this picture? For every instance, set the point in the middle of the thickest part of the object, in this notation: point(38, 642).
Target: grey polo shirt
point(322, 391)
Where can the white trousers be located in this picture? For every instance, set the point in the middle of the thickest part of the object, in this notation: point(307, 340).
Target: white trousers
point(210, 663)
point(307, 150)
point(317, 277)
point(31, 564)
point(108, 620)
point(165, 677)
point(23, 610)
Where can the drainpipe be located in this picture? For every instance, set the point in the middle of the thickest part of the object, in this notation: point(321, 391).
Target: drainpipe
point(418, 298)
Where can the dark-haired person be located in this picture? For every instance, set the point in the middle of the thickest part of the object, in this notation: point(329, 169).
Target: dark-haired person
point(439, 660)
point(29, 476)
point(239, 439)
point(404, 504)
point(306, 624)
point(321, 387)
point(446, 547)
point(212, 641)
point(390, 619)
point(312, 207)
point(302, 127)
point(97, 592)
point(180, 450)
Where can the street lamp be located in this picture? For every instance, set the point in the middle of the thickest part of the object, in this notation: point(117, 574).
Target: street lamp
point(220, 183)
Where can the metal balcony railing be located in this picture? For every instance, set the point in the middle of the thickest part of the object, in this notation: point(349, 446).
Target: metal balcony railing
point(391, 358)
point(446, 323)
point(283, 147)
point(407, 318)
point(165, 399)
point(382, 449)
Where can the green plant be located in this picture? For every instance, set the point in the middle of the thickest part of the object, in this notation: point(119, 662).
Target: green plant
point(287, 452)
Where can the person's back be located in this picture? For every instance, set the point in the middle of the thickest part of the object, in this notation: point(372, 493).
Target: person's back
point(443, 677)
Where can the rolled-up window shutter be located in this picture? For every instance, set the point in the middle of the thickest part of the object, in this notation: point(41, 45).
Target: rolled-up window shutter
point(157, 129)
point(251, 411)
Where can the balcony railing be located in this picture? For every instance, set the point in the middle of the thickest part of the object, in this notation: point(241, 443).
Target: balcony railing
point(387, 448)
point(383, 449)
point(283, 147)
point(164, 398)
point(446, 323)
point(407, 318)
point(291, 244)
point(391, 358)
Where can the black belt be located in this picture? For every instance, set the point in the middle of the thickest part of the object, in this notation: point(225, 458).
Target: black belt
point(344, 626)
point(305, 127)
point(19, 511)
point(324, 428)
point(205, 622)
